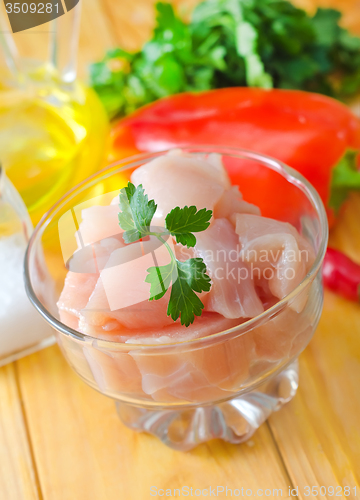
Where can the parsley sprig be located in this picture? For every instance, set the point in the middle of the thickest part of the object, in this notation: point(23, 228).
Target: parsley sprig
point(227, 43)
point(185, 278)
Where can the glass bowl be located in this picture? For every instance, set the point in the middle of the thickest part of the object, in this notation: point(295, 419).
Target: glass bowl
point(224, 385)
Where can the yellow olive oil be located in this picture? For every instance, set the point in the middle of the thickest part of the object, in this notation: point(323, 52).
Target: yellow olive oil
point(50, 139)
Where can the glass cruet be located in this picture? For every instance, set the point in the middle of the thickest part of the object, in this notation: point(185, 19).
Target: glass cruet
point(52, 128)
point(21, 331)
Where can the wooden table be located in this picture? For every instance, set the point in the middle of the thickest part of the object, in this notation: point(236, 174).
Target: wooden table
point(60, 440)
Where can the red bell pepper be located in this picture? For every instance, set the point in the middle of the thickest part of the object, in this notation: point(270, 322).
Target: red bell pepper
point(315, 135)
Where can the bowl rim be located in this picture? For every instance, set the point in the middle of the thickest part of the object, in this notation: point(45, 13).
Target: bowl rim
point(290, 174)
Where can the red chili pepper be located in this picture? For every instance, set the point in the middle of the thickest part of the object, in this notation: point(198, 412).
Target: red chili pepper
point(307, 131)
point(341, 274)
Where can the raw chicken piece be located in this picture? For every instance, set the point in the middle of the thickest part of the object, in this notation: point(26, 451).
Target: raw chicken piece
point(73, 350)
point(183, 253)
point(232, 291)
point(232, 202)
point(114, 372)
point(98, 222)
point(215, 160)
point(75, 295)
point(263, 290)
point(283, 336)
point(275, 250)
point(179, 180)
point(185, 384)
point(69, 319)
point(113, 303)
point(82, 278)
point(217, 172)
point(190, 375)
point(126, 270)
point(93, 258)
point(194, 375)
point(121, 296)
point(97, 317)
point(207, 324)
point(226, 364)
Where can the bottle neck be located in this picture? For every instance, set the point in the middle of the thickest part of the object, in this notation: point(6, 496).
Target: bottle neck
point(47, 51)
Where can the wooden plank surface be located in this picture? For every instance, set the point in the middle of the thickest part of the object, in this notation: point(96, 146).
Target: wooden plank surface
point(318, 433)
point(17, 473)
point(83, 451)
point(60, 440)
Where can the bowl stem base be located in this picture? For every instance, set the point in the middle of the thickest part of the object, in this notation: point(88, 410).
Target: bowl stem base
point(234, 421)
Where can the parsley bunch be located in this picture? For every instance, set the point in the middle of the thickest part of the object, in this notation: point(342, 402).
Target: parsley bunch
point(185, 278)
point(264, 43)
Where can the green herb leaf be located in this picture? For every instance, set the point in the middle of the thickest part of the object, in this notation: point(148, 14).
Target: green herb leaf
point(100, 74)
point(263, 43)
point(345, 178)
point(119, 53)
point(326, 26)
point(182, 222)
point(136, 212)
point(160, 278)
point(184, 302)
point(185, 278)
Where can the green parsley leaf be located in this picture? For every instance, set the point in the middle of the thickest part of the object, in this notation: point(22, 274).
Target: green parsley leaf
point(136, 212)
point(160, 278)
point(263, 43)
point(182, 222)
point(185, 278)
point(193, 272)
point(326, 24)
point(184, 302)
point(345, 178)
